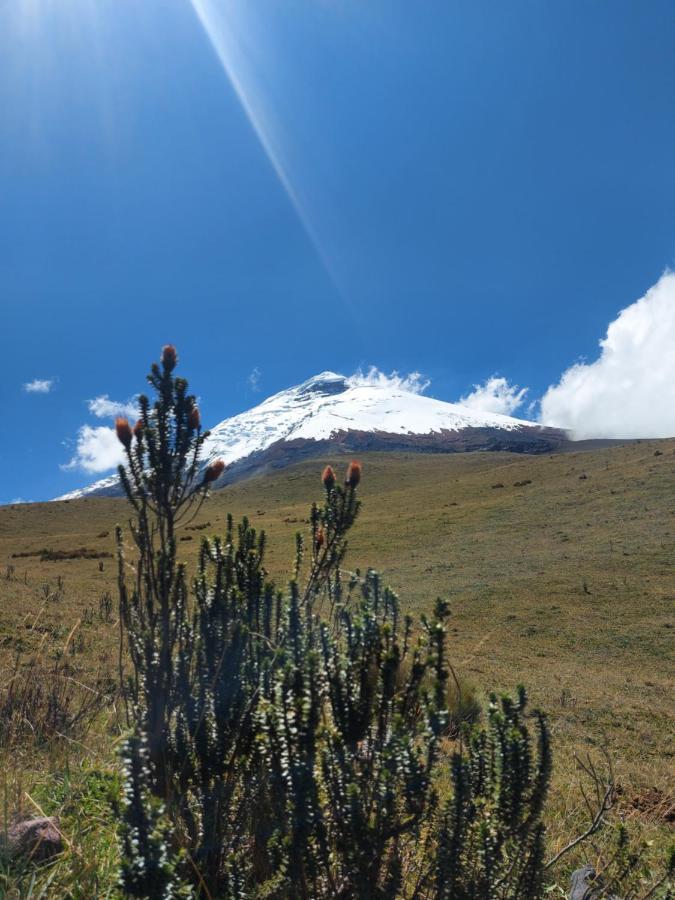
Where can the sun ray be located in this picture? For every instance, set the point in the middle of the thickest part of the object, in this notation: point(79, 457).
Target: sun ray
point(228, 28)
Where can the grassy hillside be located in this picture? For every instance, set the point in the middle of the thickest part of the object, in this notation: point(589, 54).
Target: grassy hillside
point(559, 570)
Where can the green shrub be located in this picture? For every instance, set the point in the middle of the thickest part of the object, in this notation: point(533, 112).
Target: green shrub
point(295, 740)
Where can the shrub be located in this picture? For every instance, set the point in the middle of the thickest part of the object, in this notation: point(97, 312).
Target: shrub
point(295, 740)
point(148, 864)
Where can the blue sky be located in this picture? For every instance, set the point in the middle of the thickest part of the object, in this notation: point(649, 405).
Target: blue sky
point(287, 186)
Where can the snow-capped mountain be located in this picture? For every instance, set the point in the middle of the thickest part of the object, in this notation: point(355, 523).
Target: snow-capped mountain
point(334, 412)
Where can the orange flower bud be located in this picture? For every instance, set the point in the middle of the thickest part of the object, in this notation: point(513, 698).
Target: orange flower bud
point(213, 471)
point(194, 419)
point(123, 430)
point(169, 357)
point(138, 429)
point(319, 538)
point(328, 478)
point(353, 474)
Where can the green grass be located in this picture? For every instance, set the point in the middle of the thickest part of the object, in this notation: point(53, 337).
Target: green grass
point(565, 584)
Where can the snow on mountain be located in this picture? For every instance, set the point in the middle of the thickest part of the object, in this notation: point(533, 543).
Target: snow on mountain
point(104, 487)
point(329, 404)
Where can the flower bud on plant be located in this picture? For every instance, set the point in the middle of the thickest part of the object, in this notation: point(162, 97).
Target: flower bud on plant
point(123, 430)
point(213, 471)
point(319, 538)
point(353, 474)
point(194, 419)
point(169, 357)
point(328, 478)
point(138, 429)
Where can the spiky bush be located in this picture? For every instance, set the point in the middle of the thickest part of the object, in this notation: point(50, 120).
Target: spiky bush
point(296, 739)
point(490, 842)
point(148, 869)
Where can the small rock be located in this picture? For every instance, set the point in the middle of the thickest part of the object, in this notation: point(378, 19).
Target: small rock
point(37, 839)
point(586, 887)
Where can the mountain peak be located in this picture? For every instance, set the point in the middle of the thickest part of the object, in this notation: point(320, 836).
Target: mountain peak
point(351, 414)
point(325, 384)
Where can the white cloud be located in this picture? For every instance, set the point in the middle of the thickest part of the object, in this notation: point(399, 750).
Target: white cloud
point(495, 396)
point(103, 407)
point(629, 391)
point(97, 447)
point(98, 450)
point(39, 386)
point(414, 381)
point(254, 379)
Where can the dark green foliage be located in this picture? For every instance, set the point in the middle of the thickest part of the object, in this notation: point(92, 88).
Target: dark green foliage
point(163, 458)
point(293, 750)
point(148, 867)
point(296, 739)
point(491, 841)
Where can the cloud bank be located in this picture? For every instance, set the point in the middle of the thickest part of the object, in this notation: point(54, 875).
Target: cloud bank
point(414, 381)
point(495, 396)
point(39, 386)
point(629, 391)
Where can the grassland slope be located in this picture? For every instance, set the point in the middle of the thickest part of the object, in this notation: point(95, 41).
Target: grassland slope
point(559, 570)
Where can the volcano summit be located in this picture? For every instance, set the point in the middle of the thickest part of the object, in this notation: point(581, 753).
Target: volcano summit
point(333, 413)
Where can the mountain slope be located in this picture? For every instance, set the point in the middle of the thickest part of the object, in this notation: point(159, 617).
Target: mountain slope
point(336, 412)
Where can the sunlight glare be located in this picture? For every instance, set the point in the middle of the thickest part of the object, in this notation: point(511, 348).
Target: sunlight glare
point(238, 40)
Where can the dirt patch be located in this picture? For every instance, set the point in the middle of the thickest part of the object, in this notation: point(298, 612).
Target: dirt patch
point(648, 805)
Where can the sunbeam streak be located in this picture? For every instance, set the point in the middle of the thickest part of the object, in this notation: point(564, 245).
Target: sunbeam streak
point(228, 24)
